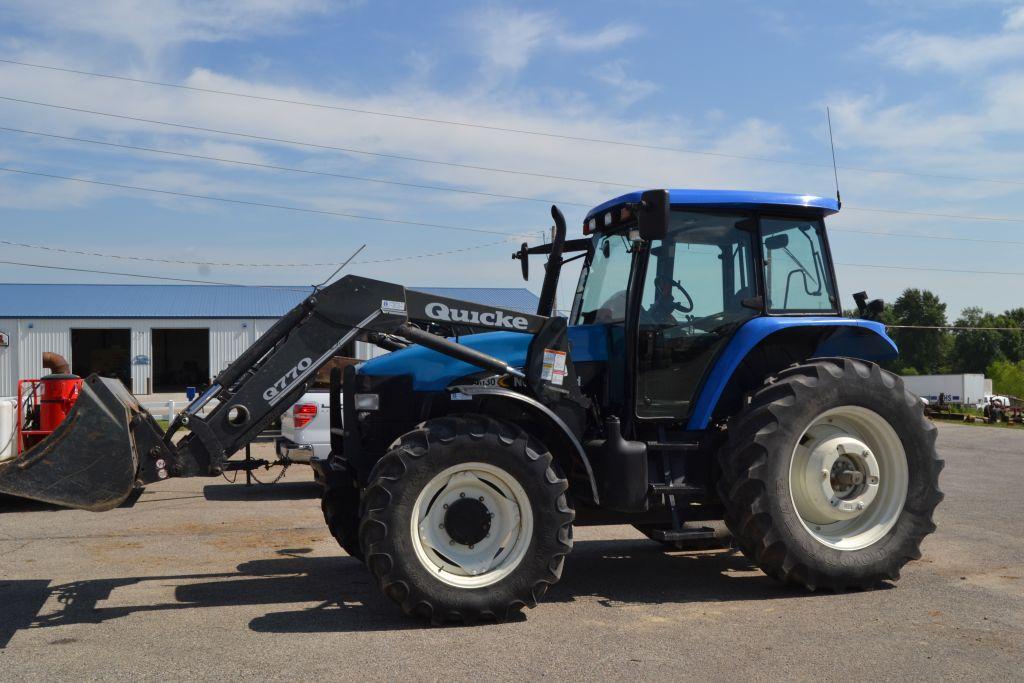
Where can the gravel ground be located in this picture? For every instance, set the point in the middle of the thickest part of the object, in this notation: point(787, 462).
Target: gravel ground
point(207, 580)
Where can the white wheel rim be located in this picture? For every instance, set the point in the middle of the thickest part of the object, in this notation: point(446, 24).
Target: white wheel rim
point(499, 552)
point(848, 478)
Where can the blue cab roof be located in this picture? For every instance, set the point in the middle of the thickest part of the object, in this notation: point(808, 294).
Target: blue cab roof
point(730, 199)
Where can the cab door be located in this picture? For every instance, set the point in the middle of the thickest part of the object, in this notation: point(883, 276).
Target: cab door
point(696, 282)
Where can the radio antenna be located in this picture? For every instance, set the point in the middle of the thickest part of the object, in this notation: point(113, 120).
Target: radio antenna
point(831, 142)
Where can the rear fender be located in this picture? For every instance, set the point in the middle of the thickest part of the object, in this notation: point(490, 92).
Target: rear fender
point(768, 344)
point(541, 422)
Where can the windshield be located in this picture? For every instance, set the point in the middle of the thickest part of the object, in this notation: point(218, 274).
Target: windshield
point(601, 295)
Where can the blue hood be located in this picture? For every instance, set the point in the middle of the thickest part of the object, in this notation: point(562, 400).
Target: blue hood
point(433, 371)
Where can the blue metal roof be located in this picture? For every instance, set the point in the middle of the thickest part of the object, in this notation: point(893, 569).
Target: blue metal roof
point(731, 199)
point(199, 301)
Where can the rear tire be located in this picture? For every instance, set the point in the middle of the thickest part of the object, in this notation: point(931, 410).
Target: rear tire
point(830, 475)
point(465, 519)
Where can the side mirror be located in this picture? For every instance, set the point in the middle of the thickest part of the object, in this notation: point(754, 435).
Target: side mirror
point(777, 242)
point(524, 260)
point(653, 215)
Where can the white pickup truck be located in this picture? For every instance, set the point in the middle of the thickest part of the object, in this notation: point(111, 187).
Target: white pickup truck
point(306, 429)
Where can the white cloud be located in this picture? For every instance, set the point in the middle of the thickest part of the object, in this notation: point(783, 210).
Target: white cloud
point(152, 26)
point(916, 51)
point(1014, 19)
point(623, 89)
point(506, 39)
point(608, 37)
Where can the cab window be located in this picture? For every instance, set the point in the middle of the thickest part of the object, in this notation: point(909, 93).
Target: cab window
point(605, 280)
point(796, 274)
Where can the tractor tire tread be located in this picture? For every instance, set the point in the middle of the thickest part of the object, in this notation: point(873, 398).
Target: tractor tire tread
point(413, 450)
point(746, 485)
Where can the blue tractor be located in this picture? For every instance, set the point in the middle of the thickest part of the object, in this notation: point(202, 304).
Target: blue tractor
point(705, 373)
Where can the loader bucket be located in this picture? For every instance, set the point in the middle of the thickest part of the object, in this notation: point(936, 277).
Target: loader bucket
point(90, 461)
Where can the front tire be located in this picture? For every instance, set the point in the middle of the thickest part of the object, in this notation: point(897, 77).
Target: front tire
point(465, 519)
point(830, 475)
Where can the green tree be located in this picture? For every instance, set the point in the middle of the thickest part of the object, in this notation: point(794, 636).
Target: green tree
point(976, 350)
point(1007, 377)
point(1013, 342)
point(923, 350)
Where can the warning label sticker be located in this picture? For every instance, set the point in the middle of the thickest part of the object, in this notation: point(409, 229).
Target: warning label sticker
point(397, 307)
point(554, 367)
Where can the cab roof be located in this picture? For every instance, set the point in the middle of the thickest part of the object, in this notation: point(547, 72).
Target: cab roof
point(730, 199)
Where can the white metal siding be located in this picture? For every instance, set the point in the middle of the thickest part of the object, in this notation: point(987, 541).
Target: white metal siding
point(9, 358)
point(29, 338)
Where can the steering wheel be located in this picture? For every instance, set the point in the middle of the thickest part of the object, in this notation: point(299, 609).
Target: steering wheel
point(682, 308)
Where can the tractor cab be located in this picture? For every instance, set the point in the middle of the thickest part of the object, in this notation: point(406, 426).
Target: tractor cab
point(671, 287)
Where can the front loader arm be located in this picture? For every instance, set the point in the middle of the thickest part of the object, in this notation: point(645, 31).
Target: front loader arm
point(270, 376)
point(109, 445)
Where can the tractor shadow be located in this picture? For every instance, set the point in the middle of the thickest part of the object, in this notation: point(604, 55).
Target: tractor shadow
point(345, 598)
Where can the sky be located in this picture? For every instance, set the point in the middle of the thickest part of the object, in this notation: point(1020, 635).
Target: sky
point(926, 99)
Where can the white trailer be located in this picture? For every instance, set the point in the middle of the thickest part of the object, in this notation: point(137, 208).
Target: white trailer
point(965, 388)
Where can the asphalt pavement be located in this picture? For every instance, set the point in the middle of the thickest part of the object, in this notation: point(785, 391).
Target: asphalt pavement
point(203, 579)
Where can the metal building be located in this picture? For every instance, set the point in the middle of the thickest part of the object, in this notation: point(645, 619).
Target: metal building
point(159, 338)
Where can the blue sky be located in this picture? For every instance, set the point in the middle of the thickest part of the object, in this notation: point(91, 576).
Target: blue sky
point(927, 87)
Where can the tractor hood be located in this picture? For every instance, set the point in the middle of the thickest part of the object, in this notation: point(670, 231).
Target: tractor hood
point(433, 371)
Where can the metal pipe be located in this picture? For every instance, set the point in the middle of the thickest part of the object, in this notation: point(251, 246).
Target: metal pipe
point(56, 363)
point(554, 266)
point(463, 353)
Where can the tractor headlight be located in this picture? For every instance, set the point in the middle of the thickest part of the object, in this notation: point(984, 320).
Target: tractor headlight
point(367, 402)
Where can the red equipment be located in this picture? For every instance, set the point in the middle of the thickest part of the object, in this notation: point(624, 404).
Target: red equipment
point(43, 404)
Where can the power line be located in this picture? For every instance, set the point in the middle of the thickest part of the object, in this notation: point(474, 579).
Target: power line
point(430, 187)
point(939, 270)
point(122, 257)
point(314, 145)
point(107, 272)
point(1000, 219)
point(489, 169)
point(289, 169)
point(954, 327)
point(423, 186)
point(505, 129)
point(924, 236)
point(265, 205)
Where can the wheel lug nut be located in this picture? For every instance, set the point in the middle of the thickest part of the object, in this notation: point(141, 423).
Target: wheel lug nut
point(470, 546)
point(462, 494)
point(451, 542)
point(824, 474)
point(481, 499)
point(440, 526)
point(860, 506)
point(445, 506)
